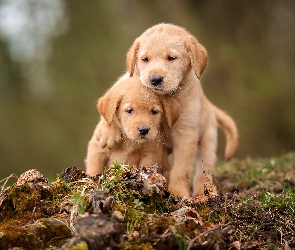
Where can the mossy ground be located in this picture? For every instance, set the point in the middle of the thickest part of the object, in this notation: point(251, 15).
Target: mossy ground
point(254, 209)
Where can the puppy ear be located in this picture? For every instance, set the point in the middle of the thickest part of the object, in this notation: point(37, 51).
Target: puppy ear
point(171, 109)
point(108, 104)
point(132, 56)
point(198, 55)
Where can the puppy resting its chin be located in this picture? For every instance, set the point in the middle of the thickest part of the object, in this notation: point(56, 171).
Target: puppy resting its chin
point(137, 112)
point(170, 61)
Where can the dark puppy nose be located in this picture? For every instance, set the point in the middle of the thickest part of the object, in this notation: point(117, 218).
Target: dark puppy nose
point(156, 80)
point(143, 130)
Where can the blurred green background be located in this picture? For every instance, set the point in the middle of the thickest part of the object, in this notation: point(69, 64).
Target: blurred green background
point(58, 57)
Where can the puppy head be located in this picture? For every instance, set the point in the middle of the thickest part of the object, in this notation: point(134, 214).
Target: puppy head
point(108, 104)
point(140, 120)
point(163, 55)
point(138, 110)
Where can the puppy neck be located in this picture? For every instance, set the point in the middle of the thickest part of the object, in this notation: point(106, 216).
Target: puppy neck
point(190, 83)
point(132, 145)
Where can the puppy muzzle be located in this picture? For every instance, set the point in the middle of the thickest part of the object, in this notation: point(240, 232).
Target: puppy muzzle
point(143, 131)
point(156, 80)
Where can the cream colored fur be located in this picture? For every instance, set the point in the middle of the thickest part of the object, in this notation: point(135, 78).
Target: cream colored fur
point(128, 107)
point(173, 53)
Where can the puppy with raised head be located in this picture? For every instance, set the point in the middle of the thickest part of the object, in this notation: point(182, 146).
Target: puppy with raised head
point(137, 113)
point(170, 61)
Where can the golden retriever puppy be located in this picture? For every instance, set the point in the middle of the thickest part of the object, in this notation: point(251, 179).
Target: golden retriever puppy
point(137, 112)
point(170, 61)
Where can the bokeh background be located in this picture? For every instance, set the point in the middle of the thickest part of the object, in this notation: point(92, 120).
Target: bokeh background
point(57, 57)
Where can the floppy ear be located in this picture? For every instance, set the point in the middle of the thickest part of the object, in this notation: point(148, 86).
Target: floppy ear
point(171, 109)
point(198, 55)
point(108, 104)
point(132, 56)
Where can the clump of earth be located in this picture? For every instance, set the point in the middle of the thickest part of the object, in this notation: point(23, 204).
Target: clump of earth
point(131, 208)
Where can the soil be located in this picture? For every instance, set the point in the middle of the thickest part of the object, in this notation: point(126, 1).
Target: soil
point(249, 206)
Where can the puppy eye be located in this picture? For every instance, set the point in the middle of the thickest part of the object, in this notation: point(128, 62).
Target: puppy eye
point(171, 58)
point(145, 59)
point(154, 111)
point(129, 110)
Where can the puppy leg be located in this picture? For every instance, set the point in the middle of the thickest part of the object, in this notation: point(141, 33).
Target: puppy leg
point(107, 135)
point(184, 151)
point(166, 165)
point(96, 158)
point(150, 155)
point(158, 155)
point(206, 159)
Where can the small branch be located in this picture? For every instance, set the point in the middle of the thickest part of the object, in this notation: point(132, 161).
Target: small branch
point(7, 179)
point(252, 235)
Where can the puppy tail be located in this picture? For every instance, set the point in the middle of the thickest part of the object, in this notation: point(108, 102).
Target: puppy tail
point(231, 132)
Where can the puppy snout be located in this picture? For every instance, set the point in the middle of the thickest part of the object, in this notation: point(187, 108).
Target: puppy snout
point(143, 130)
point(156, 80)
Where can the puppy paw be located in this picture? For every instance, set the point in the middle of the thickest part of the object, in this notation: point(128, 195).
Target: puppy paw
point(178, 190)
point(108, 136)
point(104, 140)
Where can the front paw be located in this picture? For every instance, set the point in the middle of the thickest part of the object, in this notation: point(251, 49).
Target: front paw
point(108, 137)
point(104, 140)
point(108, 140)
point(178, 189)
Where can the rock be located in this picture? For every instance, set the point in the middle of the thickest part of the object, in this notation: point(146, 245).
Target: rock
point(96, 231)
point(117, 216)
point(35, 180)
point(100, 201)
point(73, 174)
point(154, 183)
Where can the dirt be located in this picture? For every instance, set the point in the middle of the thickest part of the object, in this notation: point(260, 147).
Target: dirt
point(249, 206)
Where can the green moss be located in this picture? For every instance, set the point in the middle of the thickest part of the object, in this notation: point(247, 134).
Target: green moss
point(52, 230)
point(18, 237)
point(80, 246)
point(28, 223)
point(24, 197)
point(140, 246)
point(60, 187)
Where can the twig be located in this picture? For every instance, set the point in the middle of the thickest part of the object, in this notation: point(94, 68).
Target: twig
point(194, 239)
point(252, 235)
point(225, 210)
point(6, 180)
point(165, 233)
point(206, 232)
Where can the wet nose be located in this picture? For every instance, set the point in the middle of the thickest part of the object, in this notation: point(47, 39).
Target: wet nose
point(156, 80)
point(143, 130)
